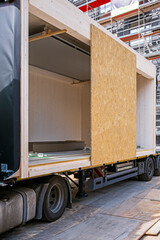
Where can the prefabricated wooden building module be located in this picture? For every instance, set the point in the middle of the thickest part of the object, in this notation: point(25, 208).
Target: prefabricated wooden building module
point(86, 89)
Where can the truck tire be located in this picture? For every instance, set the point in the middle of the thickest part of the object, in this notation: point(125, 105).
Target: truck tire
point(55, 200)
point(157, 171)
point(149, 170)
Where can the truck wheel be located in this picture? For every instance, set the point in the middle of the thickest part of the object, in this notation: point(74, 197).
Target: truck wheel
point(157, 171)
point(147, 176)
point(55, 200)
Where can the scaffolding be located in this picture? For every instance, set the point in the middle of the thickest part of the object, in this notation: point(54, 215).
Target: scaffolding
point(140, 29)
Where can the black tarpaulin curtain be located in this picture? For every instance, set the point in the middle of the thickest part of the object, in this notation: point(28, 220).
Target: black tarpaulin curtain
point(9, 87)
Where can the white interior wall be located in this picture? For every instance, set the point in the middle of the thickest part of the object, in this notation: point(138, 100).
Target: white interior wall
point(54, 107)
point(145, 118)
point(58, 110)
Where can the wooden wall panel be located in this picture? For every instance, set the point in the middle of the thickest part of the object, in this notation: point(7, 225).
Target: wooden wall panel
point(113, 100)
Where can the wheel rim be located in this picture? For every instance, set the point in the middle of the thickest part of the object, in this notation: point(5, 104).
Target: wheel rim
point(56, 198)
point(150, 169)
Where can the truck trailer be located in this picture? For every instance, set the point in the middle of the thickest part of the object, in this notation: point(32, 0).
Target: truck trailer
point(75, 103)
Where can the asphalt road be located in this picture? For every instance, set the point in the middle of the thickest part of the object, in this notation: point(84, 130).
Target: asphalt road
point(125, 210)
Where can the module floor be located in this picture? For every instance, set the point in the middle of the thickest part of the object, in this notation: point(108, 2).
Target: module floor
point(54, 157)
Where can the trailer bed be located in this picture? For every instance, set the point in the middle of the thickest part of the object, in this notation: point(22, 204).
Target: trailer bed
point(46, 163)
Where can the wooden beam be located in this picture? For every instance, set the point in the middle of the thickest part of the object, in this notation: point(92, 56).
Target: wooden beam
point(41, 170)
point(24, 89)
point(46, 35)
point(154, 230)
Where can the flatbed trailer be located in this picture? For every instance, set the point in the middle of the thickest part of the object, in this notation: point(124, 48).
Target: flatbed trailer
point(74, 101)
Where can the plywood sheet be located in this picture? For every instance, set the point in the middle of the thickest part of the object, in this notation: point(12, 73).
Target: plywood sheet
point(113, 100)
point(154, 230)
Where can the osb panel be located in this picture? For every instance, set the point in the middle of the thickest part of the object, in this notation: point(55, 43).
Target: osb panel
point(113, 100)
